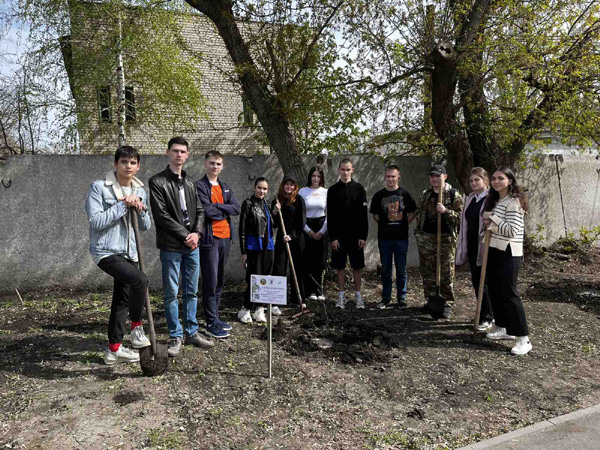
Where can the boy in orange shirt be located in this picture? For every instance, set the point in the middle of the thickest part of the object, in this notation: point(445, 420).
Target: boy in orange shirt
point(219, 204)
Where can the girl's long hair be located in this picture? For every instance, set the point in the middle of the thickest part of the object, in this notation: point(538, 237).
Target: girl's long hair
point(312, 170)
point(514, 191)
point(287, 200)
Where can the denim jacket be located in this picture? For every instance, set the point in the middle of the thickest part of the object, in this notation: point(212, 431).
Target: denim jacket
point(109, 230)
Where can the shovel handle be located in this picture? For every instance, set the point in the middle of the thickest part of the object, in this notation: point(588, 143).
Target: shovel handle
point(438, 268)
point(486, 250)
point(138, 244)
point(289, 252)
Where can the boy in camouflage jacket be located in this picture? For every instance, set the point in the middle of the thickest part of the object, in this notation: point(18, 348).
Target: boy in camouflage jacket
point(426, 236)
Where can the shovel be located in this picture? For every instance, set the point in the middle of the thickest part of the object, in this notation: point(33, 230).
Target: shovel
point(154, 360)
point(486, 250)
point(436, 303)
point(293, 270)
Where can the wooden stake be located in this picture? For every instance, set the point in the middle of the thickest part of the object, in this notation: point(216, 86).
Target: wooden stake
point(486, 250)
point(20, 298)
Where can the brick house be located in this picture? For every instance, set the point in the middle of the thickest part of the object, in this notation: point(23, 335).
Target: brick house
point(231, 127)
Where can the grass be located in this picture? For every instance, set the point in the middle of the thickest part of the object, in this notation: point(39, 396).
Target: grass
point(396, 438)
point(162, 439)
point(90, 358)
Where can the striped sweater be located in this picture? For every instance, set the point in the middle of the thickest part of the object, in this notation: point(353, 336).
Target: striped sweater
point(507, 226)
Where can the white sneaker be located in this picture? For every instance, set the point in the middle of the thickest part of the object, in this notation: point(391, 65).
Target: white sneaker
point(122, 355)
point(321, 298)
point(360, 303)
point(174, 347)
point(341, 303)
point(484, 326)
point(138, 338)
point(259, 315)
point(276, 311)
point(244, 315)
point(382, 305)
point(498, 333)
point(522, 347)
point(313, 297)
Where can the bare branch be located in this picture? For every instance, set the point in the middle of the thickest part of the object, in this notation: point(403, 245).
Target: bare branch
point(312, 44)
point(403, 76)
point(277, 78)
point(471, 26)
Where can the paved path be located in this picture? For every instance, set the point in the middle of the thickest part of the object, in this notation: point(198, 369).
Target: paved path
point(579, 430)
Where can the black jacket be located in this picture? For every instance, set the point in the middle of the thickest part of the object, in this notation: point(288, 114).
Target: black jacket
point(294, 219)
point(347, 211)
point(215, 211)
point(166, 210)
point(253, 220)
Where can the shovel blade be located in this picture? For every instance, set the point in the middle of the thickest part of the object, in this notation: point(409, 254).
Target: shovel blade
point(435, 306)
point(154, 364)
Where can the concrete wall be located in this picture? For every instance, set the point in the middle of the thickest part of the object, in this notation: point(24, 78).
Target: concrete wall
point(580, 182)
point(44, 232)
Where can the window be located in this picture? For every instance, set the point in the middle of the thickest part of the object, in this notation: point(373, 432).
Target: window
point(104, 104)
point(129, 104)
point(249, 117)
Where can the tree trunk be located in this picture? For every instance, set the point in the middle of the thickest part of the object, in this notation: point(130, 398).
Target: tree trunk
point(256, 90)
point(443, 113)
point(478, 123)
point(121, 118)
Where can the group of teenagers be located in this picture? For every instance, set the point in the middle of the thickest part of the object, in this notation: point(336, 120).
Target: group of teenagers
point(194, 235)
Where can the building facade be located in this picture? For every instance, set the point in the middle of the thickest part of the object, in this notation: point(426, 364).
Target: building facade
point(227, 124)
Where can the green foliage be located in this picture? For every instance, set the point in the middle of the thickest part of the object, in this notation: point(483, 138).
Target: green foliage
point(530, 67)
point(533, 241)
point(574, 244)
point(83, 38)
point(165, 77)
point(296, 54)
point(589, 236)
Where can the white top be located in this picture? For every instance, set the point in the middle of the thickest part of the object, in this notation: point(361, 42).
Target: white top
point(481, 195)
point(508, 226)
point(316, 205)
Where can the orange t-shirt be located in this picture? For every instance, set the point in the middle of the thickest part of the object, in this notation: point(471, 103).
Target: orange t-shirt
point(220, 227)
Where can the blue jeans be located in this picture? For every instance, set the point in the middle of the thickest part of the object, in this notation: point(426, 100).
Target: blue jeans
point(395, 250)
point(186, 263)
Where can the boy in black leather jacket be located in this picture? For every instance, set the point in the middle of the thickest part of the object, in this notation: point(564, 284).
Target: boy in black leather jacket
point(179, 219)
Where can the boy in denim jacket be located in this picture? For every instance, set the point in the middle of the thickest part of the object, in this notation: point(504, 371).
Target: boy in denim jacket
point(109, 205)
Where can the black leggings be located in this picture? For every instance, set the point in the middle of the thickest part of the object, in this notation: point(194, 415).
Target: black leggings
point(129, 293)
point(314, 258)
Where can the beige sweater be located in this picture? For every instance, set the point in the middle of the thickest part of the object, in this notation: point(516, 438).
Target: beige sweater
point(508, 226)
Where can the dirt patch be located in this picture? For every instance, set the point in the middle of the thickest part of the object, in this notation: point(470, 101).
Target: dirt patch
point(391, 378)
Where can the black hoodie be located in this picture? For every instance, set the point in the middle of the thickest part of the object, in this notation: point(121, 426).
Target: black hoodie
point(347, 216)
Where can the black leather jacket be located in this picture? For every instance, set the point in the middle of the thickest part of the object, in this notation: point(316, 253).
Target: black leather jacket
point(166, 210)
point(253, 220)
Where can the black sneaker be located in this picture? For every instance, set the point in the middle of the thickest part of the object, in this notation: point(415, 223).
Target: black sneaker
point(402, 303)
point(198, 341)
